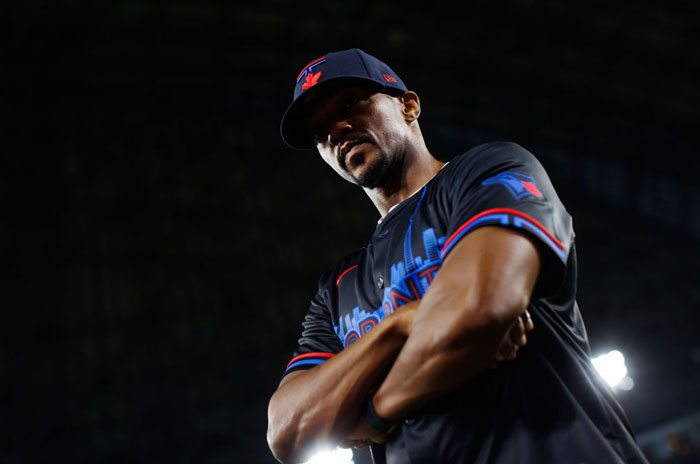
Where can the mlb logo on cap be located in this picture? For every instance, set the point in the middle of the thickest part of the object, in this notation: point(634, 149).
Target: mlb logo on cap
point(349, 67)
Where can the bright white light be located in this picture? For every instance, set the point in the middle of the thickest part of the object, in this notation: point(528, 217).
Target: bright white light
point(626, 384)
point(336, 456)
point(612, 368)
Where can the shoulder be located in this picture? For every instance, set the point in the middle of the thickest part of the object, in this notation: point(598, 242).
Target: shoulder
point(490, 158)
point(494, 151)
point(484, 159)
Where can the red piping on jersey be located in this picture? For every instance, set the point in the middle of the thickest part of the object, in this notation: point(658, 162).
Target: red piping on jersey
point(337, 282)
point(507, 211)
point(310, 355)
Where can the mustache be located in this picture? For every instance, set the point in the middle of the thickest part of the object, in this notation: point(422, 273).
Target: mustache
point(355, 139)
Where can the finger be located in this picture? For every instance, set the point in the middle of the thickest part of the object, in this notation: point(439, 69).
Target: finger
point(512, 353)
point(529, 325)
point(507, 350)
point(517, 333)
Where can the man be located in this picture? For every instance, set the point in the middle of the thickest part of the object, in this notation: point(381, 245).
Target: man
point(400, 343)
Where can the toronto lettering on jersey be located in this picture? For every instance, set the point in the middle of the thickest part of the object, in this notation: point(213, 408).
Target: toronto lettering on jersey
point(410, 279)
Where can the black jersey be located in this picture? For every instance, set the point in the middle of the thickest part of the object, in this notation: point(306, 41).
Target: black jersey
point(547, 406)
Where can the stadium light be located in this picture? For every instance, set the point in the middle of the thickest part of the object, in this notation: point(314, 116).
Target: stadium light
point(612, 368)
point(336, 456)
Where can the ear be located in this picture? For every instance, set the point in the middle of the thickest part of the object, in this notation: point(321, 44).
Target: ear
point(411, 106)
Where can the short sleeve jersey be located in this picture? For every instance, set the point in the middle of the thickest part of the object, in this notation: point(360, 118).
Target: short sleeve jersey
point(548, 405)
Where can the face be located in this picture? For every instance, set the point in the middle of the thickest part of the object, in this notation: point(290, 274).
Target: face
point(359, 133)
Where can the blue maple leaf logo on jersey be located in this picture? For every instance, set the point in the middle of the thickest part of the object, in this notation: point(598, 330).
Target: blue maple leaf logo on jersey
point(518, 184)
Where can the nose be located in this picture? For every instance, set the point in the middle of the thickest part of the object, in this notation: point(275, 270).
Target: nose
point(338, 131)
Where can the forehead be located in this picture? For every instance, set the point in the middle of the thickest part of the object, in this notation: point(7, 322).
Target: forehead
point(331, 95)
point(327, 102)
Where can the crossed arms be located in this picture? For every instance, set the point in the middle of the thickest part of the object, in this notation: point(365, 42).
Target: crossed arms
point(470, 317)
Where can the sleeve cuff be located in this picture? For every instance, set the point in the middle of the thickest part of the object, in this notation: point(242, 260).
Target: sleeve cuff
point(307, 361)
point(507, 217)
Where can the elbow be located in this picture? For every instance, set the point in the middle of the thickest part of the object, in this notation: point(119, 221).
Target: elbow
point(279, 436)
point(281, 444)
point(284, 448)
point(285, 434)
point(276, 444)
point(280, 450)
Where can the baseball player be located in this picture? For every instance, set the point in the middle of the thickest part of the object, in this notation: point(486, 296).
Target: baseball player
point(420, 342)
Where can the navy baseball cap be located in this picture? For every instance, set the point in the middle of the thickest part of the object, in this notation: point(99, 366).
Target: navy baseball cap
point(344, 68)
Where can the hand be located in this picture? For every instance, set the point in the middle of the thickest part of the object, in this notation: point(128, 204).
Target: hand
point(363, 435)
point(515, 338)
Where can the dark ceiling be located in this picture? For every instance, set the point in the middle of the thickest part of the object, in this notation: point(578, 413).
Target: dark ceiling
point(160, 243)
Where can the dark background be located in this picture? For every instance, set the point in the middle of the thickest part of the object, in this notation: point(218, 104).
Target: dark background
point(160, 243)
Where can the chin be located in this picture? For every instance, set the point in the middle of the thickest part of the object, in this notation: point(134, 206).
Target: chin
point(373, 173)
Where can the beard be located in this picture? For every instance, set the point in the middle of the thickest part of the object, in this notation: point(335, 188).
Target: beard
point(374, 173)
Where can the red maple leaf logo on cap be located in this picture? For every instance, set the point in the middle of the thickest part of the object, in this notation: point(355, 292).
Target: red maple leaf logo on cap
point(311, 80)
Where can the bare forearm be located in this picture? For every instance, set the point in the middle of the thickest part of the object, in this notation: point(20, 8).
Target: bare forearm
point(469, 308)
point(435, 361)
point(322, 405)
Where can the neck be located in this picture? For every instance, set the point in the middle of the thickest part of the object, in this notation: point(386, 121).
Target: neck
point(414, 171)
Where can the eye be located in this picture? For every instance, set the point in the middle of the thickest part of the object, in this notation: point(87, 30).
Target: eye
point(351, 101)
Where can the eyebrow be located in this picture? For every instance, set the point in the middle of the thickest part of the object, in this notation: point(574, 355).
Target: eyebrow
point(340, 94)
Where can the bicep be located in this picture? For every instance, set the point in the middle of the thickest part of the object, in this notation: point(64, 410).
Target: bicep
point(490, 272)
point(484, 283)
point(289, 378)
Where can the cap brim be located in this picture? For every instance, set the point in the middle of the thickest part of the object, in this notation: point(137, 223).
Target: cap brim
point(293, 125)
